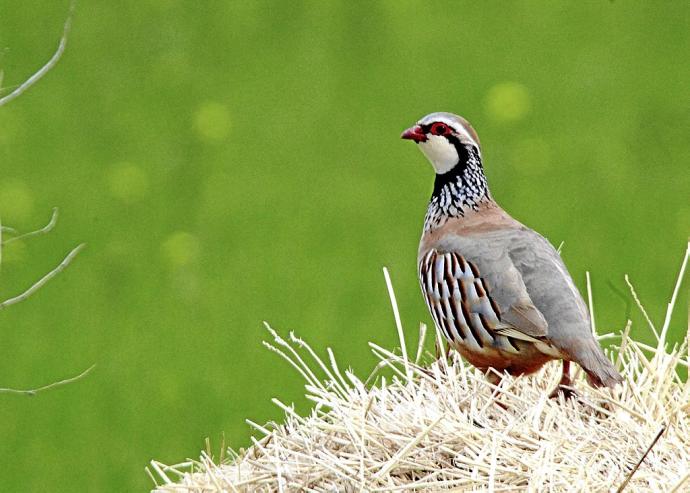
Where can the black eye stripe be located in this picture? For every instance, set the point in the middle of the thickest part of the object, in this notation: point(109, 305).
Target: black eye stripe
point(441, 128)
point(427, 128)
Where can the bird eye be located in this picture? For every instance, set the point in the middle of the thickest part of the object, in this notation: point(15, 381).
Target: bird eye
point(440, 129)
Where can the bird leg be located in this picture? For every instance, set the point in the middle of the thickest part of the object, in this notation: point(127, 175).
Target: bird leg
point(439, 353)
point(564, 385)
point(495, 378)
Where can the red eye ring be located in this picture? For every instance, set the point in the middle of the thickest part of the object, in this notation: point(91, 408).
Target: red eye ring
point(440, 128)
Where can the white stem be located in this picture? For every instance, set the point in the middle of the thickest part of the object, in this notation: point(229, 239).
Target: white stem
point(398, 323)
point(669, 310)
point(591, 304)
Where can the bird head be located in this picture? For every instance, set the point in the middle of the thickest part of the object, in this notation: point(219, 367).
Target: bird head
point(444, 139)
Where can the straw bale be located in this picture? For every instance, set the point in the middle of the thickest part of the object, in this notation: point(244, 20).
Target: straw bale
point(444, 426)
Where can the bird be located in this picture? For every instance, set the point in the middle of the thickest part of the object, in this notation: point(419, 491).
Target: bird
point(497, 290)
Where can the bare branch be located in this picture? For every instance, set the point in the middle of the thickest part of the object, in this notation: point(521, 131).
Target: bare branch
point(49, 386)
point(38, 284)
point(35, 287)
point(644, 456)
point(45, 229)
point(48, 66)
point(23, 87)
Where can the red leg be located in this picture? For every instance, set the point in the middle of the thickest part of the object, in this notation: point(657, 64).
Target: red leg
point(438, 350)
point(496, 379)
point(564, 384)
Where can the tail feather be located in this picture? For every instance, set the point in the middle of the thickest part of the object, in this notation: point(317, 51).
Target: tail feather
point(600, 371)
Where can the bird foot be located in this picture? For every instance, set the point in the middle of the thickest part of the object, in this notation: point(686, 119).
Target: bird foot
point(440, 352)
point(567, 391)
point(503, 406)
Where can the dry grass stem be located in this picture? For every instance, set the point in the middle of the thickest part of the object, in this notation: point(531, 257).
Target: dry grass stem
point(443, 426)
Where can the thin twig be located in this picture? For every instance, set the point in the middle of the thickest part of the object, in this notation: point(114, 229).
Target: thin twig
point(45, 229)
point(50, 385)
point(48, 66)
point(39, 284)
point(644, 456)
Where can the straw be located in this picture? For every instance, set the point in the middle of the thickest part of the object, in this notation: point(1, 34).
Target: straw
point(441, 426)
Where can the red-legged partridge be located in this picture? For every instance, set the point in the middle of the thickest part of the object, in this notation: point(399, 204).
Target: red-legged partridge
point(497, 290)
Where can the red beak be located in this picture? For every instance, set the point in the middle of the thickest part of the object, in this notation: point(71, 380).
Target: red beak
point(414, 133)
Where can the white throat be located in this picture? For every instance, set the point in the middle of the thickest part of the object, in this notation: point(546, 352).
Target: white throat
point(440, 152)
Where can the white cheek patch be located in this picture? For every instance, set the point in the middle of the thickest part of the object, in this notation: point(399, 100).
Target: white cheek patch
point(440, 152)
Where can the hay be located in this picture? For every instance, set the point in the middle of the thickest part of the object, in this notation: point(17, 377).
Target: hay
point(445, 427)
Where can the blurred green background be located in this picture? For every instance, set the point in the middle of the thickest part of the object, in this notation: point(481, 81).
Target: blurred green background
point(233, 162)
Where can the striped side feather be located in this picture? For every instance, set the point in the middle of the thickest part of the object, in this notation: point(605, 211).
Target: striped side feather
point(461, 305)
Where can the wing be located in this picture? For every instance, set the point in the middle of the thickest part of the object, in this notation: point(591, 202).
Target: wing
point(479, 305)
point(550, 285)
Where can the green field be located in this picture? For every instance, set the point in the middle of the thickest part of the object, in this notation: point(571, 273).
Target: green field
point(233, 162)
